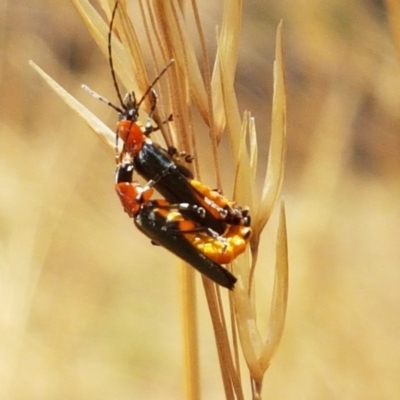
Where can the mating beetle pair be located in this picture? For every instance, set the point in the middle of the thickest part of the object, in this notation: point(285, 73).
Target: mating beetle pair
point(195, 223)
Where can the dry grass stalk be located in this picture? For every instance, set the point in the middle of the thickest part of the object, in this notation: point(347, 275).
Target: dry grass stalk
point(212, 94)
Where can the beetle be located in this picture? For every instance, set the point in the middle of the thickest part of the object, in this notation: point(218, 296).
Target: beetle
point(172, 180)
point(165, 225)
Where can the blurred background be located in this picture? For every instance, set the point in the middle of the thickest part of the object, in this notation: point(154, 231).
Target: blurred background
point(90, 310)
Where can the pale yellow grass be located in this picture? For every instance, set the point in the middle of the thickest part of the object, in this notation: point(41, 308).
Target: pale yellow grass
point(78, 282)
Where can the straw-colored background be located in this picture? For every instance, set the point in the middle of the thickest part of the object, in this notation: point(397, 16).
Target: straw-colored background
point(90, 310)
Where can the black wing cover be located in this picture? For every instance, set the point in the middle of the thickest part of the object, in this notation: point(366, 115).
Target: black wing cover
point(153, 225)
point(174, 186)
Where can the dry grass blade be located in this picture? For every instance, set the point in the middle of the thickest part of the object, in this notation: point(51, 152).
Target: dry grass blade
point(213, 128)
point(190, 330)
point(253, 147)
point(173, 30)
point(99, 30)
point(234, 124)
point(228, 48)
point(278, 308)
point(178, 84)
point(277, 150)
point(250, 338)
point(220, 336)
point(233, 119)
point(244, 188)
point(258, 352)
point(226, 352)
point(280, 294)
point(104, 132)
point(131, 45)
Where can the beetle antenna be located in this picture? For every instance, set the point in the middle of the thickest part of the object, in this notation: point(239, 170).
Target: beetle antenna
point(155, 81)
point(101, 98)
point(110, 59)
